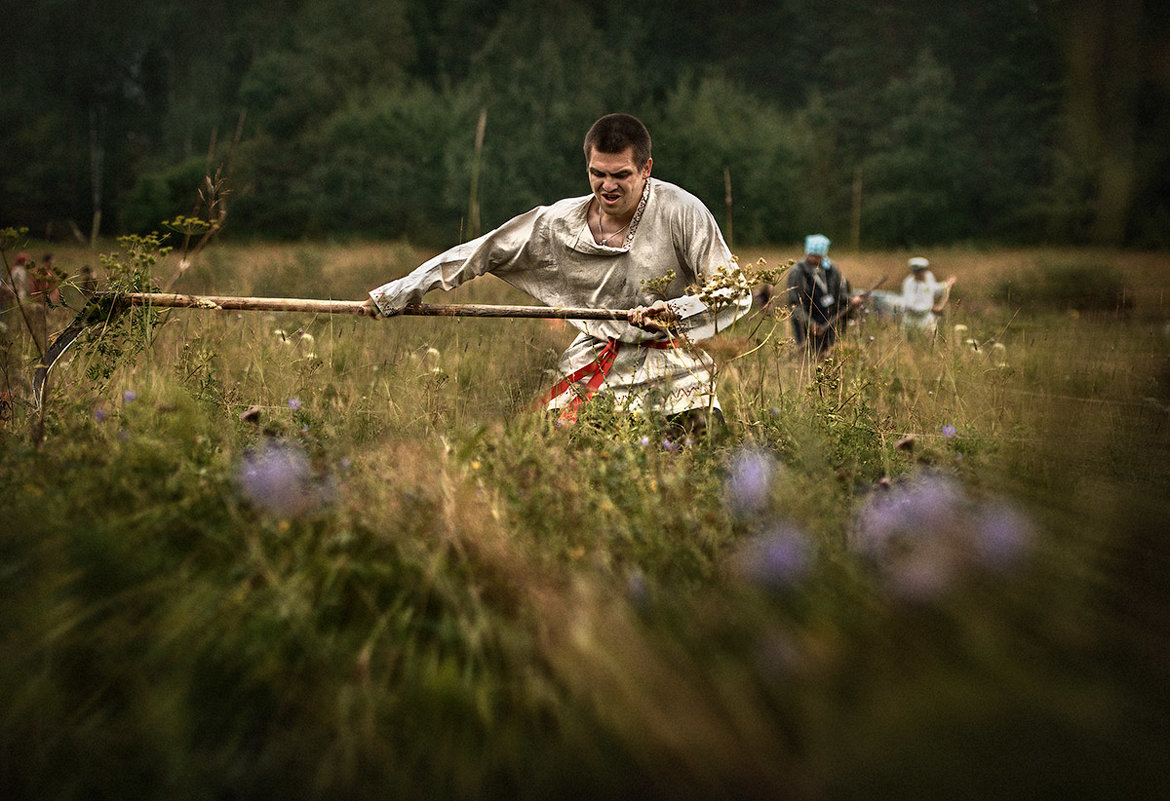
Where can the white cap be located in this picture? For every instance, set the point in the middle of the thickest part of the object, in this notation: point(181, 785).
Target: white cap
point(919, 263)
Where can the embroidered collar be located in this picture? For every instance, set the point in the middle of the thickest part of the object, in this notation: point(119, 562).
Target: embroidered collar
point(637, 218)
point(584, 240)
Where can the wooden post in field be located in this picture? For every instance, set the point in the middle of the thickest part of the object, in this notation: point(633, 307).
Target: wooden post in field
point(211, 150)
point(473, 204)
point(855, 219)
point(727, 201)
point(235, 142)
point(97, 158)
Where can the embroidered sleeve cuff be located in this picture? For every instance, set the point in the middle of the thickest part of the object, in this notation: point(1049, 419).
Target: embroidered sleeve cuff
point(385, 308)
point(392, 297)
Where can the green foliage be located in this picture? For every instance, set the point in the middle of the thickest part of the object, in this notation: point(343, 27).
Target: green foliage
point(131, 269)
point(920, 158)
point(160, 195)
point(196, 369)
point(1041, 140)
point(117, 334)
point(327, 56)
point(710, 130)
point(1063, 286)
point(538, 78)
point(378, 146)
point(327, 51)
point(10, 239)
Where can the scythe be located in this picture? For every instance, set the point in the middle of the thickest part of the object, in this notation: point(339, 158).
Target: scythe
point(103, 307)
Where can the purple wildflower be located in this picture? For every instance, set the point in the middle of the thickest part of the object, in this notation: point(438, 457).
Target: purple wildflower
point(277, 479)
point(644, 441)
point(99, 414)
point(669, 445)
point(636, 588)
point(907, 513)
point(912, 534)
point(129, 396)
point(749, 481)
point(924, 573)
point(775, 560)
point(948, 431)
point(1001, 535)
point(925, 535)
point(294, 403)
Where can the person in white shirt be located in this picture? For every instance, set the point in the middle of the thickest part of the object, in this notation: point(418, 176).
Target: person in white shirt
point(609, 249)
point(923, 297)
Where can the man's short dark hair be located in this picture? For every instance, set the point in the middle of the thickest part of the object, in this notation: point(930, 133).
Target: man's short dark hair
point(613, 133)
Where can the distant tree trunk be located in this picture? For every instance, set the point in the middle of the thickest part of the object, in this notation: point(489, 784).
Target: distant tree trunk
point(473, 204)
point(97, 157)
point(207, 164)
point(1104, 79)
point(727, 201)
point(855, 216)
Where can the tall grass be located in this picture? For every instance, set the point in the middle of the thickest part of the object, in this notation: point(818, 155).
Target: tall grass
point(255, 563)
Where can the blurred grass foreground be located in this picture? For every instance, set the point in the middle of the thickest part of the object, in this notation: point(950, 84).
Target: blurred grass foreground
point(293, 557)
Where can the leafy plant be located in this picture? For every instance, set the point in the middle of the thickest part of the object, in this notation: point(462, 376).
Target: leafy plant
point(115, 333)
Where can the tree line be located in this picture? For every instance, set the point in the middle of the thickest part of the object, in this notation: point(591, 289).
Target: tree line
point(899, 123)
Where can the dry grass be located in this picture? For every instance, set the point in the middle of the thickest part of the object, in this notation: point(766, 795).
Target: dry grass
point(480, 605)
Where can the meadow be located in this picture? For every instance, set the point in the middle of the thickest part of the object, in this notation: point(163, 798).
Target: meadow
point(284, 556)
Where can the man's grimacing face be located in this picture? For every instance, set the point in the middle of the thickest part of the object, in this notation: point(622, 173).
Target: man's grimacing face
point(617, 182)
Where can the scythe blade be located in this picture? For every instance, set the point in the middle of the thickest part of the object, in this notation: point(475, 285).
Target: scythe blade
point(100, 308)
point(56, 349)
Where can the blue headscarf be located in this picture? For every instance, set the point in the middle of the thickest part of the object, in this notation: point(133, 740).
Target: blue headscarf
point(816, 244)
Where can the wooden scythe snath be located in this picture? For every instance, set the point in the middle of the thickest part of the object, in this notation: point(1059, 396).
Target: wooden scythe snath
point(865, 293)
point(105, 306)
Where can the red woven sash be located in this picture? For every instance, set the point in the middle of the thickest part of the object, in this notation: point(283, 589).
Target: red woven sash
point(597, 370)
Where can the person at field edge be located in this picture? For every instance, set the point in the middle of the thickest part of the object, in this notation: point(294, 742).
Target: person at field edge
point(44, 291)
point(13, 292)
point(818, 297)
point(7, 304)
point(20, 276)
point(45, 281)
point(923, 297)
point(87, 281)
point(634, 243)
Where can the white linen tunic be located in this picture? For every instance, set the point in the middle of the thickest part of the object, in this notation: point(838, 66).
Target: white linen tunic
point(918, 299)
point(550, 254)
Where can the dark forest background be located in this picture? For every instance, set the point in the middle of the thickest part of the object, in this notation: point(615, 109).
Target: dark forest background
point(902, 122)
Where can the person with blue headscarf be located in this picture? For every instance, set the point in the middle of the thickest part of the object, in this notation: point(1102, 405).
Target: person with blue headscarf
point(818, 296)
